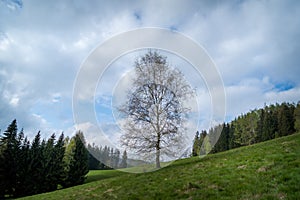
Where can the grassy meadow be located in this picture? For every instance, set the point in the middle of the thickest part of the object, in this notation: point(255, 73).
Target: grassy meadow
point(268, 170)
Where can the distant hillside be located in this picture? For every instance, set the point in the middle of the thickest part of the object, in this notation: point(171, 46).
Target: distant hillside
point(268, 170)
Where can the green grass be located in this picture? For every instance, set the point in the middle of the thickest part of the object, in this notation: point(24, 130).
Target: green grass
point(145, 168)
point(96, 175)
point(269, 170)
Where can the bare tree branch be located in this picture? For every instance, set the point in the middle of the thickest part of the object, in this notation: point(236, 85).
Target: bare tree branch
point(154, 112)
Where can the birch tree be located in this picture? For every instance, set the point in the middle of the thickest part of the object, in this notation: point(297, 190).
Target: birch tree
point(154, 110)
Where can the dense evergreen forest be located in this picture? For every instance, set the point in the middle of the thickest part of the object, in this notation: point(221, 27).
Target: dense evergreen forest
point(39, 166)
point(28, 168)
point(253, 127)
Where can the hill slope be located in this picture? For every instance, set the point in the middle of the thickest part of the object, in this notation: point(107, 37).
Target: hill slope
point(269, 170)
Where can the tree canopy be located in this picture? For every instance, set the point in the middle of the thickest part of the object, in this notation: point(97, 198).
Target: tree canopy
point(155, 112)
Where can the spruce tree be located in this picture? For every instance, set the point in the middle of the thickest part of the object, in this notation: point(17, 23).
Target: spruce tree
point(36, 164)
point(231, 139)
point(204, 143)
point(9, 159)
point(93, 162)
point(196, 145)
point(53, 168)
point(47, 170)
point(69, 154)
point(24, 176)
point(2, 172)
point(285, 120)
point(94, 155)
point(116, 159)
point(111, 158)
point(124, 160)
point(104, 157)
point(59, 152)
point(223, 141)
point(78, 163)
point(297, 117)
point(268, 129)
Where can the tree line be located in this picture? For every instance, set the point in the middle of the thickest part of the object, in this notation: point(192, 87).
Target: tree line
point(253, 127)
point(28, 168)
point(106, 158)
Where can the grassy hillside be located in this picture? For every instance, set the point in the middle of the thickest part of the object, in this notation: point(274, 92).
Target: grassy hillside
point(269, 170)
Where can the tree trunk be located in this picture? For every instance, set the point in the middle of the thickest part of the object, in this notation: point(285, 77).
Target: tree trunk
point(158, 152)
point(157, 158)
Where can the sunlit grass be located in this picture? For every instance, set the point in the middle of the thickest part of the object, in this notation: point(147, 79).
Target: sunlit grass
point(96, 175)
point(144, 168)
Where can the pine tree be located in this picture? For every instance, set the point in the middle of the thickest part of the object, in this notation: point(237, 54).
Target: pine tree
point(116, 159)
point(237, 132)
point(78, 162)
point(68, 157)
point(10, 149)
point(260, 126)
point(267, 123)
point(104, 157)
point(59, 152)
point(251, 121)
point(94, 155)
point(35, 166)
point(124, 160)
point(111, 158)
point(267, 129)
point(286, 120)
point(297, 117)
point(2, 172)
point(48, 158)
point(223, 142)
point(204, 143)
point(196, 145)
point(24, 176)
point(53, 168)
point(93, 162)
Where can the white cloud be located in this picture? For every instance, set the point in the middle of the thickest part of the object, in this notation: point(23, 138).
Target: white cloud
point(5, 42)
point(291, 95)
point(86, 40)
point(14, 101)
point(255, 45)
point(97, 134)
point(253, 93)
point(40, 118)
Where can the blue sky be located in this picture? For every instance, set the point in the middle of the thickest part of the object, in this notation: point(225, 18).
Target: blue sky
point(254, 44)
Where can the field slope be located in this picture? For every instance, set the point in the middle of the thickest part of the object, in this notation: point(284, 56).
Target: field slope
point(269, 170)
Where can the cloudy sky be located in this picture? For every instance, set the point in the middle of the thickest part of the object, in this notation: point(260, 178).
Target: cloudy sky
point(254, 44)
